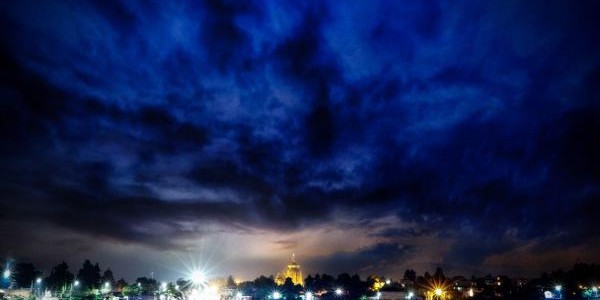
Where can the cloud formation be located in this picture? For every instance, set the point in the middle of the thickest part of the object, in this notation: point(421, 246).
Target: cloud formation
point(159, 119)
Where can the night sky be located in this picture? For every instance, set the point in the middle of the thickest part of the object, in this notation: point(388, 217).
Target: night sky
point(363, 136)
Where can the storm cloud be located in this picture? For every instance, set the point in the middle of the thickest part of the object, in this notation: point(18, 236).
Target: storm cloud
point(129, 121)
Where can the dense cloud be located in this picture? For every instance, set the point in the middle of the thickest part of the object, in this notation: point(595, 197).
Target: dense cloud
point(153, 119)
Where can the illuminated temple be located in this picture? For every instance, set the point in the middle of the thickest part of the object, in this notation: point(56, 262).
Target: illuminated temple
point(292, 271)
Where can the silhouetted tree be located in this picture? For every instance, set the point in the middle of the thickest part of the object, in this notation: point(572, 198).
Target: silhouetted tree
point(439, 274)
point(108, 277)
point(289, 290)
point(410, 275)
point(89, 275)
point(121, 285)
point(264, 286)
point(231, 282)
point(148, 285)
point(25, 274)
point(309, 283)
point(60, 277)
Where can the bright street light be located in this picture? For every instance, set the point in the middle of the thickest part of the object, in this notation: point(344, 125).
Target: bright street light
point(76, 283)
point(338, 291)
point(410, 295)
point(558, 288)
point(198, 277)
point(438, 292)
point(38, 280)
point(6, 274)
point(276, 295)
point(309, 296)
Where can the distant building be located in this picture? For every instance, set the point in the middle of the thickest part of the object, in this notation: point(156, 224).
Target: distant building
point(291, 271)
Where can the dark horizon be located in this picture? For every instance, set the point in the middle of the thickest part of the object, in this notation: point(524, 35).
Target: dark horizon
point(364, 137)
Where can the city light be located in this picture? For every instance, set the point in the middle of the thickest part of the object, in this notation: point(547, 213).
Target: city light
point(471, 293)
point(6, 274)
point(309, 296)
point(163, 286)
point(76, 283)
point(594, 289)
point(198, 277)
point(410, 295)
point(276, 295)
point(139, 284)
point(438, 292)
point(558, 288)
point(388, 281)
point(239, 295)
point(378, 295)
point(38, 280)
point(107, 284)
point(339, 291)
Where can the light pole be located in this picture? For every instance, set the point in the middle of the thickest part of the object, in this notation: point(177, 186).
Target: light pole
point(38, 286)
point(75, 284)
point(558, 289)
point(6, 275)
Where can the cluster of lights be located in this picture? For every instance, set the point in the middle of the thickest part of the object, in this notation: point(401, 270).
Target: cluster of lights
point(550, 295)
point(206, 293)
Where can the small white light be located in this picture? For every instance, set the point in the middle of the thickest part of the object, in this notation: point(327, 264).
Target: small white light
point(38, 280)
point(558, 288)
point(338, 291)
point(76, 283)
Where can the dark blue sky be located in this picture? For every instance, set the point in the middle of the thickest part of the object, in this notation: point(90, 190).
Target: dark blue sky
point(365, 136)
